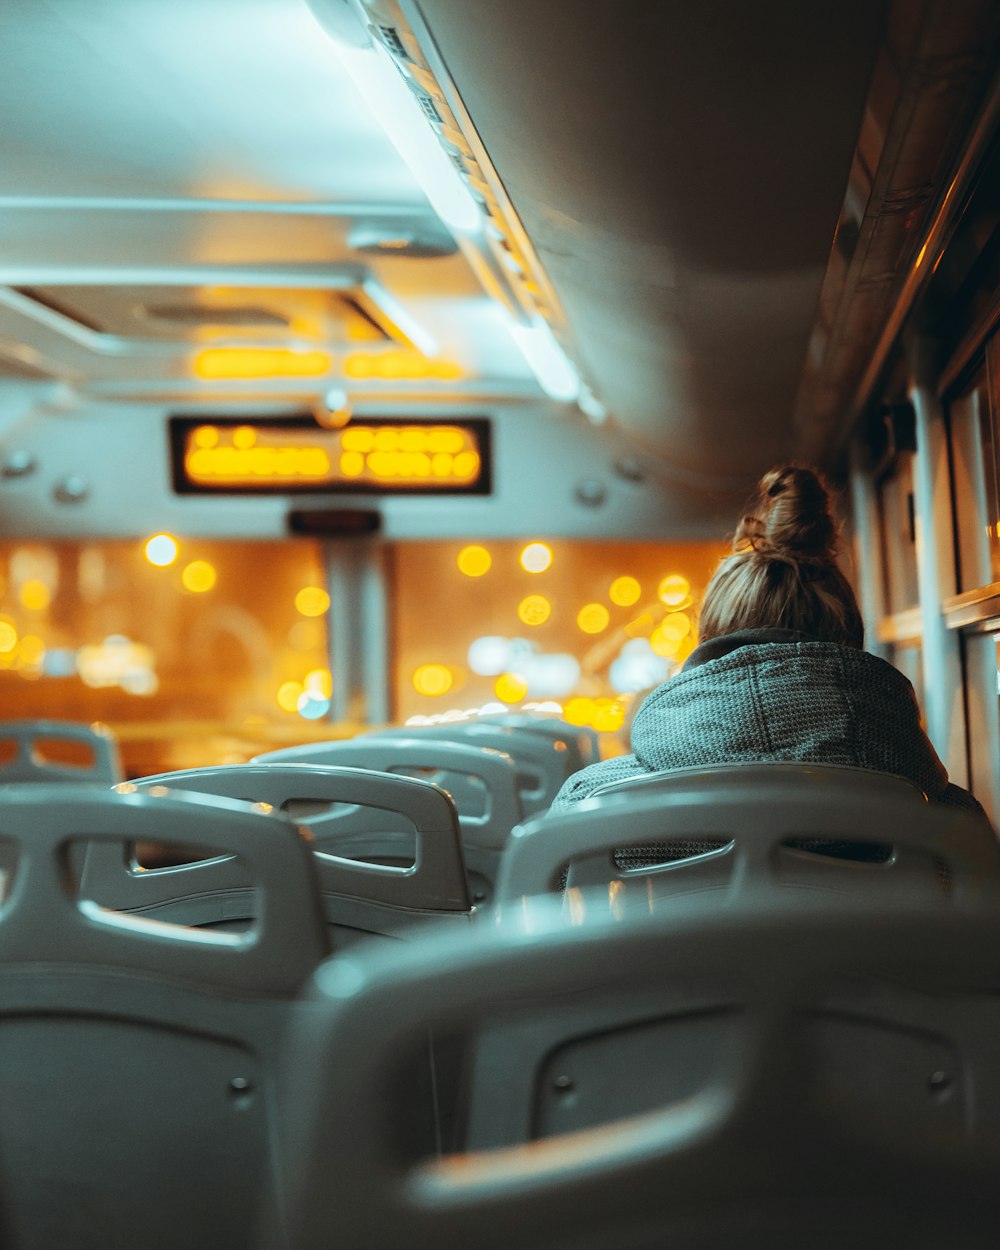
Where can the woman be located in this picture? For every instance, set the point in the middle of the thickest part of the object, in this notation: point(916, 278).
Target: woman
point(780, 674)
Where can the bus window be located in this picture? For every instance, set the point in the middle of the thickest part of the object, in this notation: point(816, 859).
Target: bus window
point(899, 554)
point(972, 429)
point(192, 651)
point(572, 624)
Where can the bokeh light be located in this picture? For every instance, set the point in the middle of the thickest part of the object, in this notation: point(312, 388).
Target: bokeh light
point(289, 693)
point(536, 558)
point(312, 705)
point(673, 590)
point(593, 617)
point(664, 645)
point(161, 550)
point(487, 655)
point(35, 595)
point(550, 674)
point(609, 715)
point(534, 610)
point(637, 667)
point(8, 634)
point(677, 626)
point(474, 561)
point(510, 687)
point(433, 679)
point(199, 576)
point(624, 591)
point(320, 682)
point(312, 601)
point(32, 650)
point(579, 711)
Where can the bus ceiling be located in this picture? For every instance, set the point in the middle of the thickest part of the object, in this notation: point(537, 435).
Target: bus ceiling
point(641, 228)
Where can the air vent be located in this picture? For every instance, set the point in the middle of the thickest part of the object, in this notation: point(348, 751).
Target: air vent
point(194, 315)
point(389, 36)
point(429, 108)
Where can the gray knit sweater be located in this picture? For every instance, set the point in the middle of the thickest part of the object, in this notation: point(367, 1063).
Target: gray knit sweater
point(777, 695)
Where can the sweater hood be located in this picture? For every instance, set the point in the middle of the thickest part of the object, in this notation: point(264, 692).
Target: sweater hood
point(742, 700)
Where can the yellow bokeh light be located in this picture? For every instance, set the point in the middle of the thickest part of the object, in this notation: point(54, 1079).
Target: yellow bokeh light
point(8, 636)
point(352, 463)
point(593, 617)
point(536, 557)
point(289, 693)
point(510, 687)
point(35, 595)
point(673, 590)
point(199, 576)
point(433, 679)
point(534, 610)
point(609, 715)
point(161, 550)
point(474, 561)
point(579, 711)
point(677, 626)
point(319, 681)
point(312, 601)
point(624, 591)
point(32, 649)
point(662, 645)
point(244, 437)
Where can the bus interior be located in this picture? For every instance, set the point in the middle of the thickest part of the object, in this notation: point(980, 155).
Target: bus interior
point(380, 383)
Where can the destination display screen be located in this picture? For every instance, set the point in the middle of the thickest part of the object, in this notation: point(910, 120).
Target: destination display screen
point(252, 456)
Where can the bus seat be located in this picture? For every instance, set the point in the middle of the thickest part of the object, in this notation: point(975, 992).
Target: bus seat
point(53, 751)
point(581, 740)
point(481, 781)
point(823, 1073)
point(139, 1063)
point(813, 827)
point(355, 812)
point(543, 761)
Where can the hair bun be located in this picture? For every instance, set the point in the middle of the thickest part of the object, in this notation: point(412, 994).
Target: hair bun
point(791, 519)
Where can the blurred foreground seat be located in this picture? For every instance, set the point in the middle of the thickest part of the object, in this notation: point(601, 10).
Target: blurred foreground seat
point(139, 1063)
point(822, 1073)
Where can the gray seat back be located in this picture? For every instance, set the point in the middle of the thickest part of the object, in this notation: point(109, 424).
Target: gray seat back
point(823, 1074)
point(358, 812)
point(32, 741)
point(760, 827)
point(481, 781)
point(140, 1063)
point(543, 761)
point(581, 742)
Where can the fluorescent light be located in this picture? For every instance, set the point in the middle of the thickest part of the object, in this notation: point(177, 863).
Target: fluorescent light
point(549, 363)
point(396, 110)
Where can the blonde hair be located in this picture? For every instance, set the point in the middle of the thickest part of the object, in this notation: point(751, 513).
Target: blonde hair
point(783, 572)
